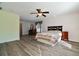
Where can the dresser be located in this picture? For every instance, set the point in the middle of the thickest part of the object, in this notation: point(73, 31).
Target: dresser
point(65, 35)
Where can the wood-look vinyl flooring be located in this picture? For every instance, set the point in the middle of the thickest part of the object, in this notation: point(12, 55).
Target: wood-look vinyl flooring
point(27, 46)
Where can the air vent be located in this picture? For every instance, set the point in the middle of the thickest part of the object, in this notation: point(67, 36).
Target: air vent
point(0, 8)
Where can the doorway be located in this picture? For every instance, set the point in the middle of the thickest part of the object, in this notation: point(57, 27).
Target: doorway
point(20, 30)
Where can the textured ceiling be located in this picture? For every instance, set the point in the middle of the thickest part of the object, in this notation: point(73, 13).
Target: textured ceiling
point(23, 9)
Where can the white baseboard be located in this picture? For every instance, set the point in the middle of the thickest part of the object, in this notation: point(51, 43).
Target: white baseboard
point(73, 40)
point(3, 41)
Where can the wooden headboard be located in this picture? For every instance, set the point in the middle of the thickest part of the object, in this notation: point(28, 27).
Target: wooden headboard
point(50, 28)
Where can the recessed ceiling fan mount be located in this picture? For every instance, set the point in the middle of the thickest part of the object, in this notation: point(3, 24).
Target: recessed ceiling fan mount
point(40, 13)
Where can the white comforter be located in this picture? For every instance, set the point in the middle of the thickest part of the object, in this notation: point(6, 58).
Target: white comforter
point(52, 38)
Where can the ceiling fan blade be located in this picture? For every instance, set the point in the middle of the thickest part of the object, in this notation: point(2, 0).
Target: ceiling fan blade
point(37, 15)
point(46, 12)
point(38, 10)
point(33, 13)
point(44, 15)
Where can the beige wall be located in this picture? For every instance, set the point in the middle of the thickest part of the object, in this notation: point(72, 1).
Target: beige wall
point(9, 26)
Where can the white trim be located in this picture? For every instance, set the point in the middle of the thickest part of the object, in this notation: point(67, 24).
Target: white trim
point(10, 40)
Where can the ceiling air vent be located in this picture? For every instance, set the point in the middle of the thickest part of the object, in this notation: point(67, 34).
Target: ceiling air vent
point(0, 8)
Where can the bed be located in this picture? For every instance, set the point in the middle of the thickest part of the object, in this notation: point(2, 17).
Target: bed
point(52, 36)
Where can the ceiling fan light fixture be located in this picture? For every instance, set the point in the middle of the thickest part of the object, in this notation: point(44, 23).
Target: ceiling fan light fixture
point(40, 14)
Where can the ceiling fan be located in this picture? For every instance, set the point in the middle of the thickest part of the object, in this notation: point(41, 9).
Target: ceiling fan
point(40, 13)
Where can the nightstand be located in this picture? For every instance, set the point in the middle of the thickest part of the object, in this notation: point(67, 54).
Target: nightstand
point(65, 35)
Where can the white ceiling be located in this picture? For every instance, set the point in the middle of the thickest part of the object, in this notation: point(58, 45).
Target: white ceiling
point(23, 9)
